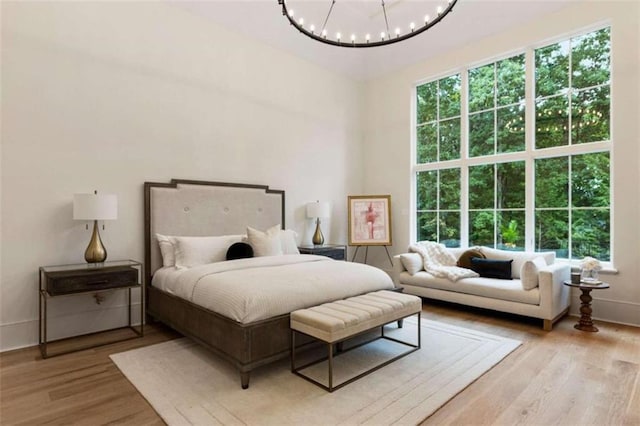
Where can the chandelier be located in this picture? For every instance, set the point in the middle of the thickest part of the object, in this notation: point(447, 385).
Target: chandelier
point(387, 35)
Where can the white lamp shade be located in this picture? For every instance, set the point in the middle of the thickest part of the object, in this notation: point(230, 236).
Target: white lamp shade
point(95, 207)
point(318, 209)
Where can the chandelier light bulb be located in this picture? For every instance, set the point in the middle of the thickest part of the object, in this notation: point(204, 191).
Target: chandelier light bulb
point(382, 34)
point(426, 19)
point(439, 10)
point(367, 37)
point(291, 13)
point(301, 22)
point(412, 26)
point(338, 36)
point(312, 28)
point(353, 38)
point(324, 33)
point(397, 32)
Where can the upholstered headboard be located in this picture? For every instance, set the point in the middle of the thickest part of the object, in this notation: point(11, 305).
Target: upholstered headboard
point(197, 208)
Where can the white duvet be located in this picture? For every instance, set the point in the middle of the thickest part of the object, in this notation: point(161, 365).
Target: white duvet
point(248, 290)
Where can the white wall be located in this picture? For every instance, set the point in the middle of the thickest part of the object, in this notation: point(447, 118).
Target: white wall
point(388, 109)
point(108, 95)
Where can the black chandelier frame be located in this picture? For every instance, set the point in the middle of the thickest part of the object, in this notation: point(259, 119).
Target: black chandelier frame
point(389, 39)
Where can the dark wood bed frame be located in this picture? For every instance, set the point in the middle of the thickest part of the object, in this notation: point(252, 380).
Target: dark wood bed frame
point(246, 346)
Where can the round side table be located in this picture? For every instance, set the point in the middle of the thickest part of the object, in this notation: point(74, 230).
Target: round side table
point(586, 323)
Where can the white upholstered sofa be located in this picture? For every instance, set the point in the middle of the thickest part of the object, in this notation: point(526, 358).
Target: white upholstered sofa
point(548, 300)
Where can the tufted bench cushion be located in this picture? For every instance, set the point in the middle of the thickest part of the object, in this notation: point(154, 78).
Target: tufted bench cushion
point(338, 320)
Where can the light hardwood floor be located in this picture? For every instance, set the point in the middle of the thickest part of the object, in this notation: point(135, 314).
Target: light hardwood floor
point(565, 377)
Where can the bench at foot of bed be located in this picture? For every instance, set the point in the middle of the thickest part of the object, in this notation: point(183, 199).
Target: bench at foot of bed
point(335, 322)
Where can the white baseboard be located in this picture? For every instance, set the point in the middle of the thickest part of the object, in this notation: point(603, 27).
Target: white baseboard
point(23, 334)
point(615, 311)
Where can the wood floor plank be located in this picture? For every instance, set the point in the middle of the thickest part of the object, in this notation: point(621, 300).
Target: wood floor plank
point(566, 377)
point(632, 411)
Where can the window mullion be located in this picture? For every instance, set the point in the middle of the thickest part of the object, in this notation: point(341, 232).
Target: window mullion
point(570, 114)
point(438, 140)
point(495, 205)
point(438, 121)
point(570, 143)
point(570, 210)
point(529, 143)
point(464, 157)
point(496, 225)
point(495, 108)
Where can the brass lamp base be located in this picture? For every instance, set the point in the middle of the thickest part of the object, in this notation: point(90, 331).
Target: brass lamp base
point(95, 252)
point(318, 238)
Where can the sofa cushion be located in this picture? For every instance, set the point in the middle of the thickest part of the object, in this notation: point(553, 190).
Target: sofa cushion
point(491, 268)
point(464, 261)
point(412, 262)
point(508, 290)
point(529, 272)
point(518, 257)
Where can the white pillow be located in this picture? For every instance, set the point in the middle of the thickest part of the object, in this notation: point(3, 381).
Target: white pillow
point(167, 250)
point(412, 262)
point(266, 243)
point(286, 238)
point(193, 251)
point(288, 241)
point(529, 272)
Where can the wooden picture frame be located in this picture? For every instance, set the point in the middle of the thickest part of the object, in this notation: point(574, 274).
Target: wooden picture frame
point(369, 220)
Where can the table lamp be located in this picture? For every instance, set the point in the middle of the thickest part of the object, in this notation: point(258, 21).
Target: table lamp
point(95, 207)
point(316, 211)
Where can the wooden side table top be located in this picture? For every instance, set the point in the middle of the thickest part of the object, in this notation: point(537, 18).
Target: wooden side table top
point(583, 285)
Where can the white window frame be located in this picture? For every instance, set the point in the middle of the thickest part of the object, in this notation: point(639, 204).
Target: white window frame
point(529, 155)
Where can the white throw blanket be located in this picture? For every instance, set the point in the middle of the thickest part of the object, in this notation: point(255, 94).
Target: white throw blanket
point(439, 262)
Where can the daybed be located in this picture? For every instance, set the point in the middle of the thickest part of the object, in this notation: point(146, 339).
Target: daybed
point(547, 298)
point(238, 308)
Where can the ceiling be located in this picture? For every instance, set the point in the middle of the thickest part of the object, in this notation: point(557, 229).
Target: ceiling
point(470, 20)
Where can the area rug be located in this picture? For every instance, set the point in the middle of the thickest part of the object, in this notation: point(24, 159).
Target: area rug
point(188, 385)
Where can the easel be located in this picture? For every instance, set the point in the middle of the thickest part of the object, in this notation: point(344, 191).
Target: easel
point(366, 252)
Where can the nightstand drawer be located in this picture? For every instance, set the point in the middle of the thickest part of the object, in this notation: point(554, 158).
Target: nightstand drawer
point(66, 282)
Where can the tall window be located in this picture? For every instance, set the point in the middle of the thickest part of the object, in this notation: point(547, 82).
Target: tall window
point(438, 206)
point(497, 204)
point(479, 195)
point(439, 120)
point(438, 140)
point(496, 107)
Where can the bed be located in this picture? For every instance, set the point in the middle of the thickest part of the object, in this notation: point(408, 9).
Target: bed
point(247, 337)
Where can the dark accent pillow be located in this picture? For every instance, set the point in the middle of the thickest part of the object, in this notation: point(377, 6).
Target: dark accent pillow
point(491, 268)
point(464, 261)
point(239, 251)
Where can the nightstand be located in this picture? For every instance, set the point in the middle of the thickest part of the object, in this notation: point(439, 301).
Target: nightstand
point(67, 280)
point(333, 251)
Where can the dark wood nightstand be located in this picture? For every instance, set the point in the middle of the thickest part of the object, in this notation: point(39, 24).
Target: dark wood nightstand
point(334, 251)
point(65, 280)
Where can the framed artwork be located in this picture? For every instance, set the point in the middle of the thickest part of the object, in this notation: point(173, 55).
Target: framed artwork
point(369, 220)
